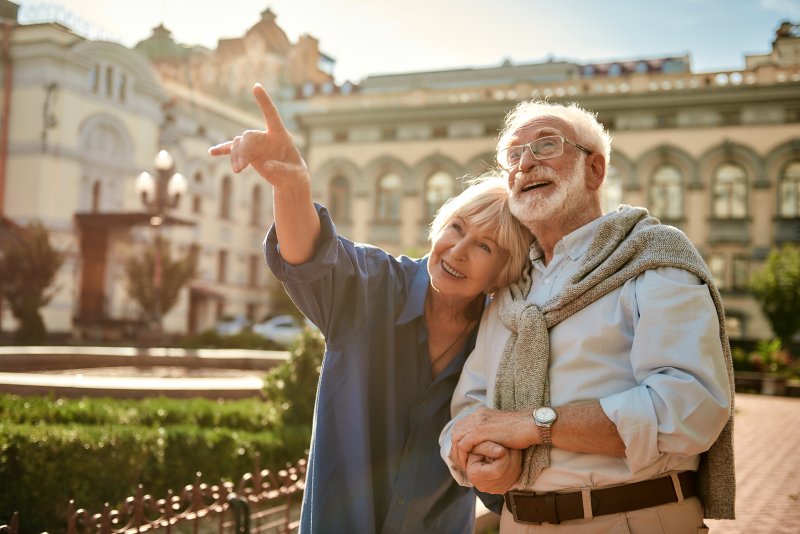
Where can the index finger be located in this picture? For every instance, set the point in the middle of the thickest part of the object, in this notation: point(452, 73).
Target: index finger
point(270, 113)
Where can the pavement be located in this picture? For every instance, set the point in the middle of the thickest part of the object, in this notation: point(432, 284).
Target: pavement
point(766, 445)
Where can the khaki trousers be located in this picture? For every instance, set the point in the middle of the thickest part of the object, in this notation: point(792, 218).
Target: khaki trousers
point(672, 518)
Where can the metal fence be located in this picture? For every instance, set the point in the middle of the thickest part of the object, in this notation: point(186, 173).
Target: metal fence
point(261, 502)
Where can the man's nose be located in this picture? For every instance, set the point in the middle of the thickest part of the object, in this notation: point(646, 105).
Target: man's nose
point(527, 161)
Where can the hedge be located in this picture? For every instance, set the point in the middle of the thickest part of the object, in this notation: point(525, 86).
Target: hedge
point(43, 467)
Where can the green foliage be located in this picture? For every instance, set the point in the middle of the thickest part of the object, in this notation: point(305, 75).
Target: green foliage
point(250, 415)
point(293, 385)
point(99, 450)
point(777, 288)
point(28, 268)
point(140, 273)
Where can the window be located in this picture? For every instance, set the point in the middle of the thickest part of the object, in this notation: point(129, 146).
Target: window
point(389, 134)
point(341, 136)
point(439, 132)
point(96, 192)
point(388, 198)
point(197, 204)
point(198, 177)
point(611, 191)
point(222, 266)
point(122, 88)
point(255, 208)
point(94, 78)
point(789, 191)
point(438, 189)
point(730, 192)
point(666, 193)
point(741, 272)
point(339, 199)
point(109, 81)
point(225, 198)
point(255, 264)
point(716, 264)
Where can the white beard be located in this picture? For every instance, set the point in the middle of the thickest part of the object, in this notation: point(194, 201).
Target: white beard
point(568, 196)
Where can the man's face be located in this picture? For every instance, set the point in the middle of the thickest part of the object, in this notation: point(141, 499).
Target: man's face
point(549, 189)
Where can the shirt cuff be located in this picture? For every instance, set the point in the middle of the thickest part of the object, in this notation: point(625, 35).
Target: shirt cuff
point(635, 417)
point(319, 265)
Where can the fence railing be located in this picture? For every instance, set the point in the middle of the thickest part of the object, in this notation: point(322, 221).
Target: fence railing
point(263, 501)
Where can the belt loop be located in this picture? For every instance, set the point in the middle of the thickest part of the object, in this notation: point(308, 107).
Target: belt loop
point(677, 485)
point(586, 495)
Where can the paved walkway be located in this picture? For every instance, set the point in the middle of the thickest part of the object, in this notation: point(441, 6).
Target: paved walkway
point(767, 448)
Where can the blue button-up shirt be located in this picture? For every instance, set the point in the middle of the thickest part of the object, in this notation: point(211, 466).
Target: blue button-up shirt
point(374, 464)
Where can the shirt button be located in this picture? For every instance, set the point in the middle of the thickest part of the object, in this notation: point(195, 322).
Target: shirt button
point(401, 501)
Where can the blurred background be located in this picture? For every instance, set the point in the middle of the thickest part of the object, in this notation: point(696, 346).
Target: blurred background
point(107, 117)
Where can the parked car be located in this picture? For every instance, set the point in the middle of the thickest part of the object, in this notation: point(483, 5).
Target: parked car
point(281, 329)
point(232, 325)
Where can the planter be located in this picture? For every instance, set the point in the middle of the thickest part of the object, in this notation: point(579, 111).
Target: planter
point(764, 383)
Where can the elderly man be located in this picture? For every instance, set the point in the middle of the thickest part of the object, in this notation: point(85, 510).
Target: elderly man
point(599, 396)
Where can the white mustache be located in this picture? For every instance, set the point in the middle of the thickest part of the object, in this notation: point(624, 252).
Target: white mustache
point(538, 173)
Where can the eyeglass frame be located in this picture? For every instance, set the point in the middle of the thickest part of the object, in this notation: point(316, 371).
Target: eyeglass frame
point(535, 156)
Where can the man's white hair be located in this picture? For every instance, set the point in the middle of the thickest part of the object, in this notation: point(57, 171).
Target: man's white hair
point(588, 131)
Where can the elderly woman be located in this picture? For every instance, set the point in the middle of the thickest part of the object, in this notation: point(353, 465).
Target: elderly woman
point(397, 333)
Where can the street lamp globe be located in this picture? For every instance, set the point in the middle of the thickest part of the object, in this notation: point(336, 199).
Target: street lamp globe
point(164, 160)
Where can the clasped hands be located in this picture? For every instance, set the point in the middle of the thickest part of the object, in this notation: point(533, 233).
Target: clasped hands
point(487, 447)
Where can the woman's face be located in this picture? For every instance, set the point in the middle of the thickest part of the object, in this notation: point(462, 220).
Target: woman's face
point(465, 260)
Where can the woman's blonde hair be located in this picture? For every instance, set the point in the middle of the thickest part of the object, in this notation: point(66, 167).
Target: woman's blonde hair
point(484, 204)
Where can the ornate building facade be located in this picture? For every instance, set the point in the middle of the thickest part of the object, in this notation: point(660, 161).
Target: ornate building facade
point(715, 153)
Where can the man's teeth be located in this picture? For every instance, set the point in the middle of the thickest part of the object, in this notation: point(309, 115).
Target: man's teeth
point(533, 185)
point(452, 271)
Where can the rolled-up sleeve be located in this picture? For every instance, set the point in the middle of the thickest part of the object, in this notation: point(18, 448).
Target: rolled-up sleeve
point(682, 400)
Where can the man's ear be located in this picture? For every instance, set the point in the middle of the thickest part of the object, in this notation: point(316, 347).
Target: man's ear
point(595, 170)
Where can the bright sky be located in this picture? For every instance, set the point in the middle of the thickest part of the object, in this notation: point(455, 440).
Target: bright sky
point(392, 36)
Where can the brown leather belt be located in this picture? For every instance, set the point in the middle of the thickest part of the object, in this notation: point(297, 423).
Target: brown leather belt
point(528, 507)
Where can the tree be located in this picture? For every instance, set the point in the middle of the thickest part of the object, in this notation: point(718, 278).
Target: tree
point(777, 288)
point(28, 268)
point(156, 297)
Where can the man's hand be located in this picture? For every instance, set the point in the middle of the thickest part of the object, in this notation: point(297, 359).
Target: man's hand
point(512, 430)
point(492, 468)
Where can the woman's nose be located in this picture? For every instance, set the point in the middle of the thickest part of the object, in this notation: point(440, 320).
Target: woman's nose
point(459, 249)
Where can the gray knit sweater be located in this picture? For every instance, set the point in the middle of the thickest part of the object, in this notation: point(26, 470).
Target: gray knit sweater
point(627, 243)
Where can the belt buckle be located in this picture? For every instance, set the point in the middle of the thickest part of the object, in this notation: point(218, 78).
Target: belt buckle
point(545, 505)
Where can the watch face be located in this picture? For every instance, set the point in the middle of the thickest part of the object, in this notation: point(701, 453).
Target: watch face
point(544, 415)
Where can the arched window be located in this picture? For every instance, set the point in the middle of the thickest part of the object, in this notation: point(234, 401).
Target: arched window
point(96, 192)
point(730, 192)
point(388, 198)
point(438, 189)
point(225, 198)
point(666, 192)
point(255, 207)
point(611, 191)
point(339, 199)
point(789, 191)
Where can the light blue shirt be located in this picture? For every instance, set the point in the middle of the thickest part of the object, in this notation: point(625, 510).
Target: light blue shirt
point(649, 351)
point(374, 463)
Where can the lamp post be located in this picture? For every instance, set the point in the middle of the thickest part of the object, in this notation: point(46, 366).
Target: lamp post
point(159, 195)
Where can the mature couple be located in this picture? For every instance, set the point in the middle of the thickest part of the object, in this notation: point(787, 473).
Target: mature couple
point(588, 368)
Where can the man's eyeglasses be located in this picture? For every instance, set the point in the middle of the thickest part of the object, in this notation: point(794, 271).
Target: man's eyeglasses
point(542, 148)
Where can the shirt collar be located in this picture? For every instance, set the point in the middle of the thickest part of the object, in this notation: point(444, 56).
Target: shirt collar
point(415, 302)
point(577, 242)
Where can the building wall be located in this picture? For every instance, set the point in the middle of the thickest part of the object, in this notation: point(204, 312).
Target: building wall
point(695, 122)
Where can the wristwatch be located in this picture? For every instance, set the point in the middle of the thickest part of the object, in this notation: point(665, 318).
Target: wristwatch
point(544, 418)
